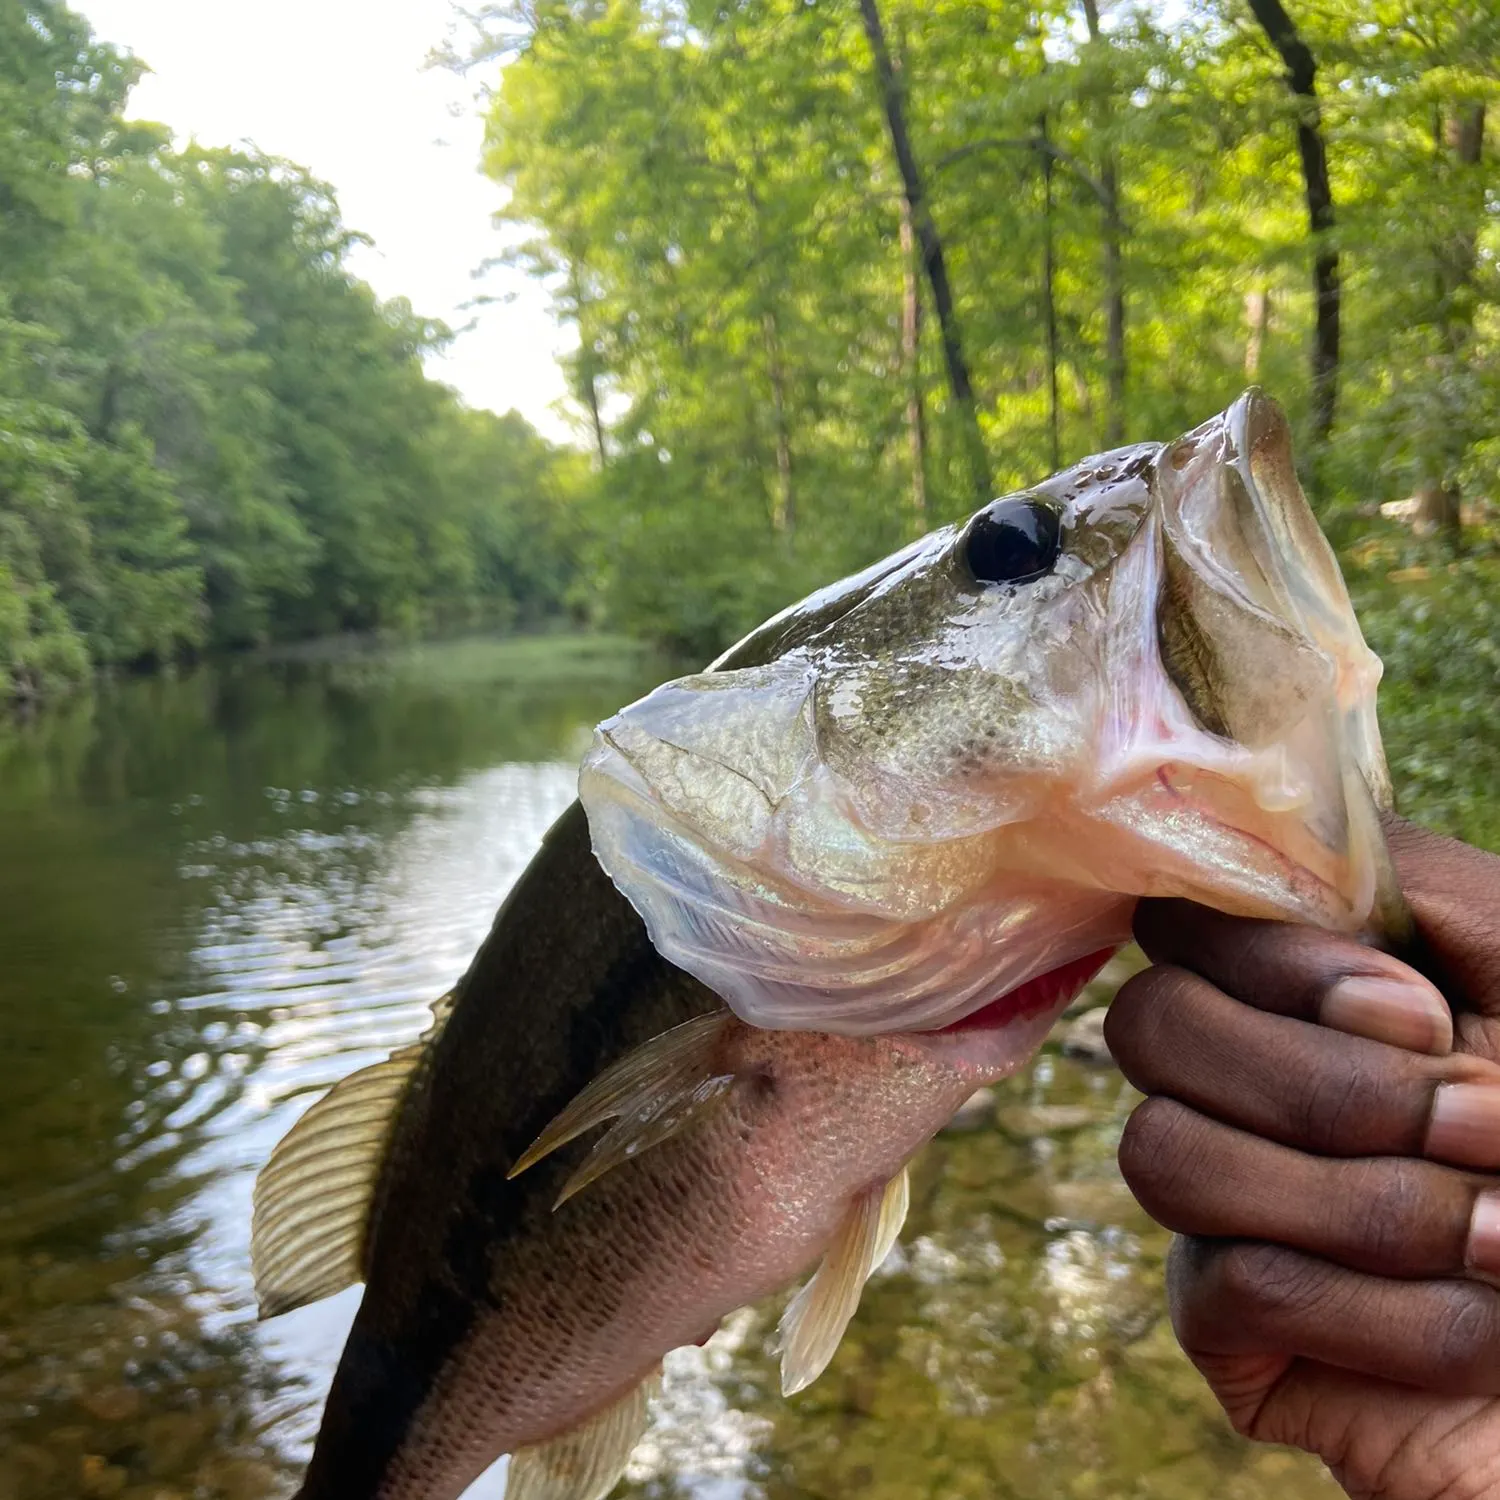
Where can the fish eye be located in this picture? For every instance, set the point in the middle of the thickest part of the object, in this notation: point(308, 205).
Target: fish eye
point(1013, 540)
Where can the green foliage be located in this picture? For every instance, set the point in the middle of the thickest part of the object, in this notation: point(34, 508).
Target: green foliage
point(712, 200)
point(1439, 637)
point(42, 532)
point(211, 433)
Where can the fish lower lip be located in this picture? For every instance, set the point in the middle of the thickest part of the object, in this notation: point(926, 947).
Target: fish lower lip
point(1203, 810)
point(1043, 993)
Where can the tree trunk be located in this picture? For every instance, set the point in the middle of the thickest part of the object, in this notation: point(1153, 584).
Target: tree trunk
point(911, 364)
point(1258, 317)
point(1437, 511)
point(1049, 300)
point(784, 510)
point(932, 250)
point(591, 399)
point(1439, 500)
point(1114, 271)
point(588, 362)
point(1463, 136)
point(1114, 285)
point(1301, 75)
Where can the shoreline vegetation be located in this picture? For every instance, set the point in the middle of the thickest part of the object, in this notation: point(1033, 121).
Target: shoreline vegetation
point(213, 435)
point(834, 267)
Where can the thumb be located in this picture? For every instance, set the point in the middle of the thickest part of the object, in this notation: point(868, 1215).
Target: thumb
point(1454, 891)
point(1384, 1440)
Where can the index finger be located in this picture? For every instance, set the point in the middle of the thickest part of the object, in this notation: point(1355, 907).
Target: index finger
point(1302, 972)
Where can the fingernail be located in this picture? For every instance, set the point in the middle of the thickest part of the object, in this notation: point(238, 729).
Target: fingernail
point(1408, 1014)
point(1483, 1250)
point(1465, 1127)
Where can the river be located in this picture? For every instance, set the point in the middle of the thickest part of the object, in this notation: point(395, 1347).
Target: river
point(221, 893)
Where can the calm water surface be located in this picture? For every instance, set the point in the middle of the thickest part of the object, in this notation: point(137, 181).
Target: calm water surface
point(220, 895)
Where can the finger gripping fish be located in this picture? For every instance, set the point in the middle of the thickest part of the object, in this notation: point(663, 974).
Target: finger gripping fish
point(895, 830)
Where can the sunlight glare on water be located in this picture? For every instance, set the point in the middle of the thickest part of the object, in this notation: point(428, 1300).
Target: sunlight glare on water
point(342, 967)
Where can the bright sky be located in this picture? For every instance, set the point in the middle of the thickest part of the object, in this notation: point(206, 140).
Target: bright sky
point(340, 87)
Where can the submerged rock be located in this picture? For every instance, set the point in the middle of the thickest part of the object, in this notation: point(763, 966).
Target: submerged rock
point(1029, 1121)
point(1083, 1039)
point(977, 1111)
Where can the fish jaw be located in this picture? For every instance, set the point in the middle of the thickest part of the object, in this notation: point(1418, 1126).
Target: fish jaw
point(1242, 766)
point(950, 791)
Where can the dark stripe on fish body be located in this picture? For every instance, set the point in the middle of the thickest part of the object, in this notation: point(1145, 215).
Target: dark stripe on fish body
point(564, 985)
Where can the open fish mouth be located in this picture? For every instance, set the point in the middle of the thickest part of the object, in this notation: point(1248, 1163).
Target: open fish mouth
point(1258, 640)
point(939, 783)
point(1047, 993)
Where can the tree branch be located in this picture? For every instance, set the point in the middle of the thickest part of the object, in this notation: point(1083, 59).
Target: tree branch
point(1040, 145)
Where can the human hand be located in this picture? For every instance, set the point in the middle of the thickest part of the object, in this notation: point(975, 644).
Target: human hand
point(1321, 1133)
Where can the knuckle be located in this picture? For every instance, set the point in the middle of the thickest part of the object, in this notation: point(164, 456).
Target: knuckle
point(1467, 1354)
point(1238, 1295)
point(1205, 1294)
point(1393, 1199)
point(1145, 1007)
point(1331, 1101)
point(1375, 1098)
point(1266, 1282)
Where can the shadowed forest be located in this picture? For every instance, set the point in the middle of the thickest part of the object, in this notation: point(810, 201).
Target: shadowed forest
point(838, 270)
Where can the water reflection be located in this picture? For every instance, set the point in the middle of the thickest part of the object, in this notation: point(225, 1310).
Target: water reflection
point(220, 895)
point(217, 897)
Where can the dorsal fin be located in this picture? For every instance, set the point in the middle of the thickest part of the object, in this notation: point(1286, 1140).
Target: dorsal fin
point(312, 1198)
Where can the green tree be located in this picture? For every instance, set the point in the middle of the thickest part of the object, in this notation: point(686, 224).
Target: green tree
point(211, 433)
point(718, 200)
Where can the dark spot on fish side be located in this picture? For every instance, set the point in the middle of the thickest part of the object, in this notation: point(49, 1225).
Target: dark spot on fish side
point(761, 1084)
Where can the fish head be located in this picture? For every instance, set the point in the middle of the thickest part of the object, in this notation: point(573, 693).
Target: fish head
point(949, 776)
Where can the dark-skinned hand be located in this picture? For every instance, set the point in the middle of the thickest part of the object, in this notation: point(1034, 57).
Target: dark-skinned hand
point(1323, 1135)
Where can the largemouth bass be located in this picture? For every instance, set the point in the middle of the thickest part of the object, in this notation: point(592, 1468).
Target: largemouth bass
point(875, 850)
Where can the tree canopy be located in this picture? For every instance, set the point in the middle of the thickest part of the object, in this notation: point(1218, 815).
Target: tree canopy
point(212, 433)
point(835, 269)
point(1139, 213)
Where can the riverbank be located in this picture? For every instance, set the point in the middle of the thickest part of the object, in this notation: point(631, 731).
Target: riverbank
point(1435, 622)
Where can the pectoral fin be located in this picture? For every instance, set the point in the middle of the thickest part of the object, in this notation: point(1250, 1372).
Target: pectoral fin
point(312, 1198)
point(585, 1463)
point(815, 1319)
point(652, 1093)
